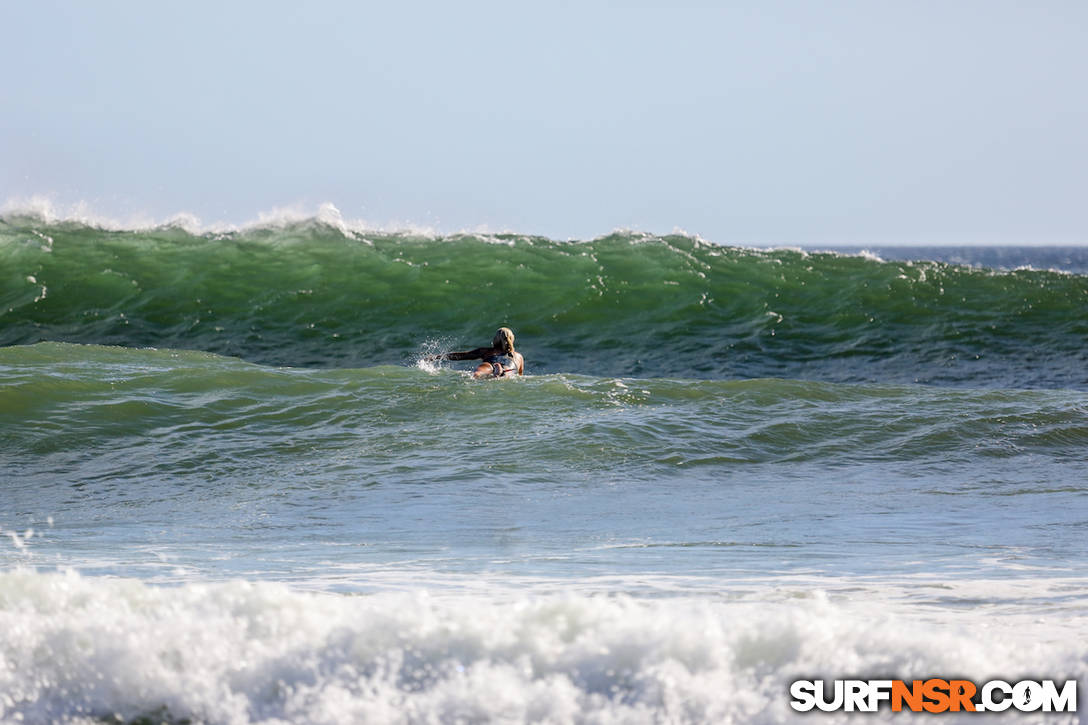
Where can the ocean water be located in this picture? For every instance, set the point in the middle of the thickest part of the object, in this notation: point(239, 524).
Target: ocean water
point(233, 491)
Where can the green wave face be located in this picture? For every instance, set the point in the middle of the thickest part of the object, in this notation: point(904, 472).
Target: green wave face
point(625, 305)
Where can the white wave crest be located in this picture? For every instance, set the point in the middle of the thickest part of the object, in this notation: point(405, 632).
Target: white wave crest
point(52, 212)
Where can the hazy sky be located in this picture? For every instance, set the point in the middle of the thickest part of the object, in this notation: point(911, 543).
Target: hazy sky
point(745, 122)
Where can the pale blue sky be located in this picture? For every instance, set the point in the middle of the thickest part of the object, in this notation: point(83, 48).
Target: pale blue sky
point(745, 122)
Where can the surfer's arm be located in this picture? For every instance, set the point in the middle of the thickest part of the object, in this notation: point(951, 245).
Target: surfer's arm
point(476, 354)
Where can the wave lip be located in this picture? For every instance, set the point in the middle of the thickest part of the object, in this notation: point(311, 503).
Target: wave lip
point(42, 210)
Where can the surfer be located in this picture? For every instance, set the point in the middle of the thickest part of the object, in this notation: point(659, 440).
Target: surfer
point(499, 361)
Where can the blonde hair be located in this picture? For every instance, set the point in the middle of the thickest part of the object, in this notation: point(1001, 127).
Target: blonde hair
point(504, 339)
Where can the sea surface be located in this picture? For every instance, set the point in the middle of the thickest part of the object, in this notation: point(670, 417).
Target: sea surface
point(233, 490)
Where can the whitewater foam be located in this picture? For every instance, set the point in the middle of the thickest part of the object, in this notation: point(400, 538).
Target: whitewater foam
point(79, 648)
